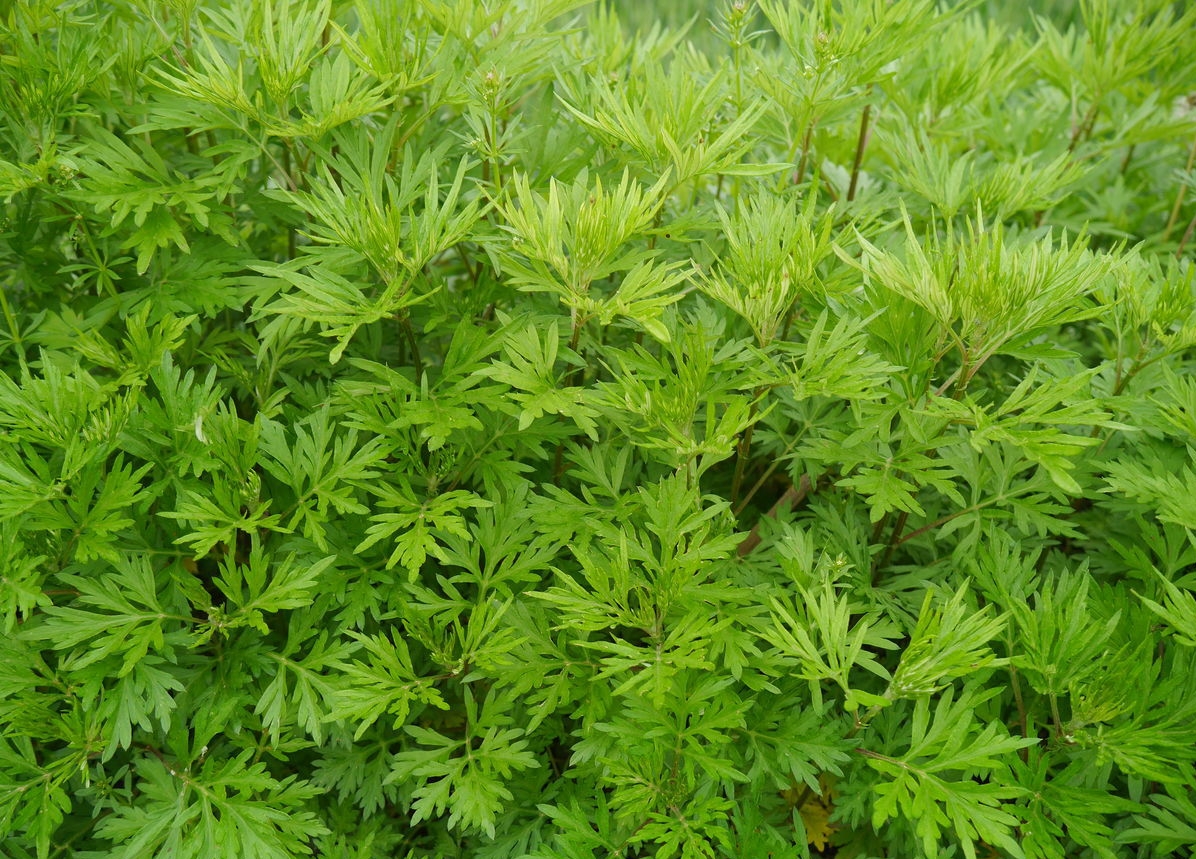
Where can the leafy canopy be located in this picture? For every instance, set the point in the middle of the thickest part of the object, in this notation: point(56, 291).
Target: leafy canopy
point(551, 428)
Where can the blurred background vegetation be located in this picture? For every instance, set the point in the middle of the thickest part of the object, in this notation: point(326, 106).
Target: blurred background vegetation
point(697, 14)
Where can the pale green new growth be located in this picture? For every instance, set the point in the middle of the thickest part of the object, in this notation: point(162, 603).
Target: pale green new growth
point(525, 429)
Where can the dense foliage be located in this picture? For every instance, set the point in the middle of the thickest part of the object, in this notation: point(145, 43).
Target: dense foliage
point(475, 428)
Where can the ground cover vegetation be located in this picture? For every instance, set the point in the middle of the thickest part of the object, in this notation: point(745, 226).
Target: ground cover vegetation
point(496, 428)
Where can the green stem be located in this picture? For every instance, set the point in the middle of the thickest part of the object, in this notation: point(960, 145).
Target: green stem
point(14, 332)
point(463, 472)
point(620, 851)
point(894, 542)
point(1180, 194)
point(558, 460)
point(287, 167)
point(877, 756)
point(1078, 135)
point(1016, 683)
point(1179, 251)
point(65, 847)
point(100, 262)
point(1082, 131)
point(185, 20)
point(493, 133)
point(1055, 715)
point(473, 275)
point(744, 449)
point(736, 60)
point(804, 161)
point(879, 528)
point(417, 361)
point(1125, 162)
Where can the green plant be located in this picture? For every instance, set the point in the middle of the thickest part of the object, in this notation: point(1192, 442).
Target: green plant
point(456, 428)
